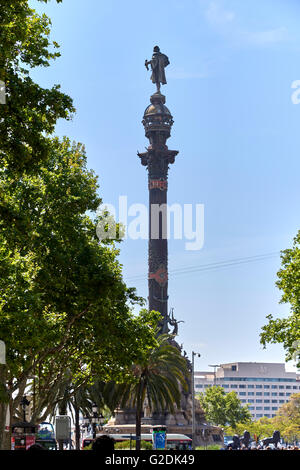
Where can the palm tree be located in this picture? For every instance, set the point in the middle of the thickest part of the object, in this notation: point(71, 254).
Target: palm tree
point(157, 378)
point(74, 399)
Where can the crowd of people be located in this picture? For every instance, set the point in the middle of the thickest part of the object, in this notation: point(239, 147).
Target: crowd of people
point(260, 447)
point(105, 444)
point(268, 443)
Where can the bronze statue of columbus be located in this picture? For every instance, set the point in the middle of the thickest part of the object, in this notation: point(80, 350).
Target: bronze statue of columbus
point(158, 121)
point(158, 64)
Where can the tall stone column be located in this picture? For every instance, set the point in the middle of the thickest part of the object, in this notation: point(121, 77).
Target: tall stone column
point(157, 122)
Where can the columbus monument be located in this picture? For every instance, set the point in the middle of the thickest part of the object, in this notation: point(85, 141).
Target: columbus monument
point(157, 122)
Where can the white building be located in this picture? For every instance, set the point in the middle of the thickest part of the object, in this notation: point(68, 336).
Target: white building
point(264, 386)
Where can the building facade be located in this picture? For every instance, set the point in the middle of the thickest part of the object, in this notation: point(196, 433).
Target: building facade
point(265, 387)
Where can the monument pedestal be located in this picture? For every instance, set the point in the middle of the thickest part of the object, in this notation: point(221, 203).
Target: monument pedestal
point(180, 422)
point(205, 434)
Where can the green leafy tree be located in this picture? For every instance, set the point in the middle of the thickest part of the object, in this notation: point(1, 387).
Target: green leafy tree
point(156, 378)
point(287, 419)
point(63, 302)
point(30, 112)
point(70, 399)
point(263, 427)
point(287, 330)
point(222, 408)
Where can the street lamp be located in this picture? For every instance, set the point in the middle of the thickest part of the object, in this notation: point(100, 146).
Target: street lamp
point(24, 403)
point(214, 366)
point(94, 420)
point(193, 397)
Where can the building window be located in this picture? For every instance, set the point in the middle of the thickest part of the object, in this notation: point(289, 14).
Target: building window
point(242, 394)
point(281, 401)
point(259, 394)
point(233, 368)
point(258, 401)
point(266, 394)
point(266, 386)
point(274, 386)
point(267, 408)
point(259, 408)
point(233, 386)
point(242, 386)
point(251, 394)
point(250, 386)
point(281, 394)
point(274, 408)
point(258, 386)
point(281, 387)
point(274, 394)
point(274, 401)
point(266, 401)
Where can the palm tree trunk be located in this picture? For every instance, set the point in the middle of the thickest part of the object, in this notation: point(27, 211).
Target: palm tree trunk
point(77, 427)
point(138, 427)
point(138, 424)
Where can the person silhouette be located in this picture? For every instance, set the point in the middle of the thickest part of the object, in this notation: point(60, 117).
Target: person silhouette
point(104, 444)
point(35, 447)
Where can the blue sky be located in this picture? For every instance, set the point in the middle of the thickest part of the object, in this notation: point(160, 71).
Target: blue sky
point(232, 64)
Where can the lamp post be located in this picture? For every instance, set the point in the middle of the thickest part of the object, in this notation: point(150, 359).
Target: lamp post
point(24, 403)
point(193, 397)
point(214, 366)
point(94, 420)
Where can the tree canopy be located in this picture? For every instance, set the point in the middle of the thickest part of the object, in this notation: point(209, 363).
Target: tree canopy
point(63, 302)
point(223, 409)
point(287, 330)
point(286, 421)
point(31, 112)
point(157, 380)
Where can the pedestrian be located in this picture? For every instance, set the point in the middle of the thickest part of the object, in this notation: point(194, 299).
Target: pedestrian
point(36, 447)
point(104, 444)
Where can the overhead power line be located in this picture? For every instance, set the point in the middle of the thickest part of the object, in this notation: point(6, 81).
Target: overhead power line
point(212, 266)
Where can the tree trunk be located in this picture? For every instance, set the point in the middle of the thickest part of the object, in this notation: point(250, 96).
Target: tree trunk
point(4, 403)
point(3, 408)
point(77, 427)
point(138, 427)
point(138, 422)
